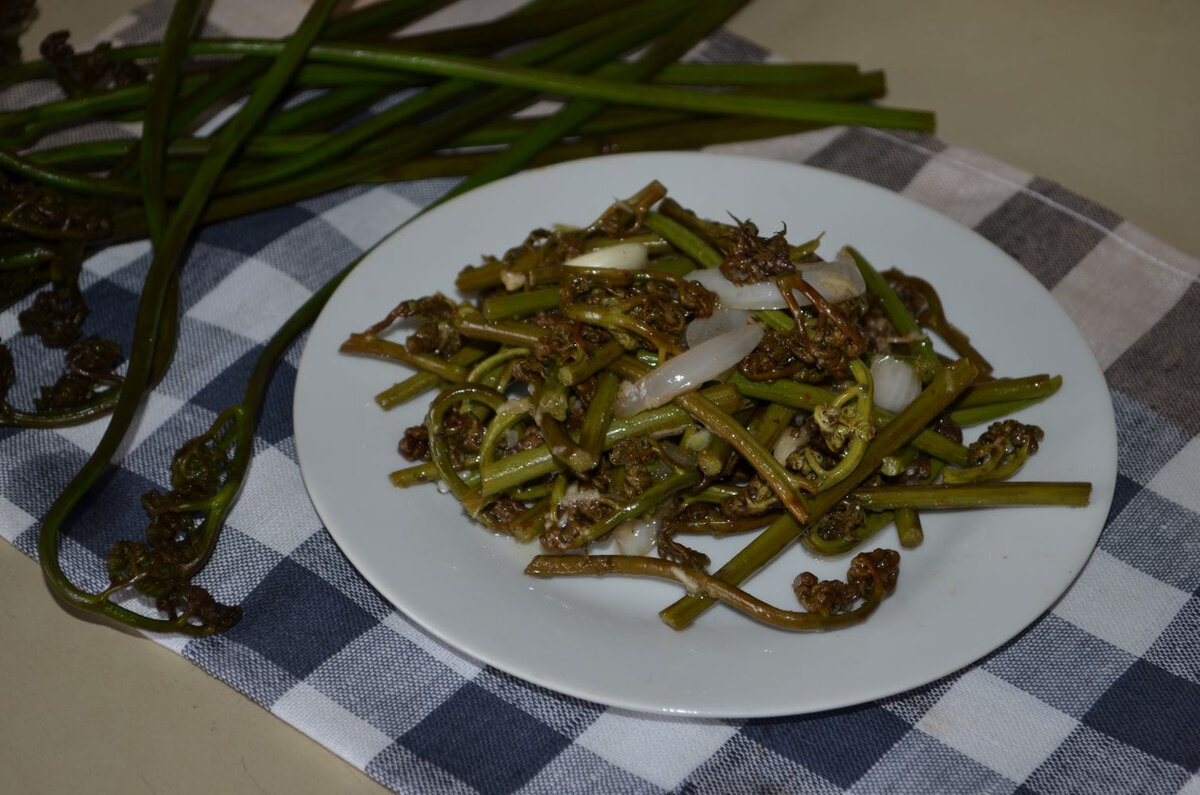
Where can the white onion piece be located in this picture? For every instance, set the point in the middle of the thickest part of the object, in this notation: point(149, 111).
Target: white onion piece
point(896, 383)
point(512, 281)
point(687, 371)
point(575, 494)
point(699, 440)
point(791, 440)
point(622, 256)
point(720, 321)
point(635, 537)
point(835, 281)
point(760, 295)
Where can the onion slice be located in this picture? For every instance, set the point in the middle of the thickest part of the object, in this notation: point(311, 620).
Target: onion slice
point(622, 256)
point(687, 371)
point(720, 321)
point(896, 383)
point(636, 537)
point(791, 440)
point(836, 281)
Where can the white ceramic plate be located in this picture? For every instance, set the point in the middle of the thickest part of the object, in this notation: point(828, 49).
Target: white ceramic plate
point(978, 580)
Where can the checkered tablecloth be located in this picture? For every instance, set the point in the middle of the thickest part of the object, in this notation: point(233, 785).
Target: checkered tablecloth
point(1102, 694)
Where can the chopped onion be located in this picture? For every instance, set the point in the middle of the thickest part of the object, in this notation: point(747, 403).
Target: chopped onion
point(522, 405)
point(705, 328)
point(635, 537)
point(836, 281)
point(512, 280)
point(699, 440)
point(839, 280)
point(622, 256)
point(896, 383)
point(687, 371)
point(792, 439)
point(760, 295)
point(575, 494)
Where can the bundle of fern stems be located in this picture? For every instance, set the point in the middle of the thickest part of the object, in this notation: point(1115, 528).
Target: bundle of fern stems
point(229, 127)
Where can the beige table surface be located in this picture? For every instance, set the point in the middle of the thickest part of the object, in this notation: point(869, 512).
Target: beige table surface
point(1100, 96)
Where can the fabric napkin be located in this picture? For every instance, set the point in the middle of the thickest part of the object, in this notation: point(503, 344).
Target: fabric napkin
point(1102, 694)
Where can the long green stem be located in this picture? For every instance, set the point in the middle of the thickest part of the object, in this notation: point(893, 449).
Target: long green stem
point(24, 255)
point(42, 117)
point(615, 91)
point(163, 88)
point(498, 307)
point(488, 71)
point(409, 388)
point(584, 44)
point(368, 345)
point(675, 43)
point(70, 182)
point(701, 584)
point(693, 133)
point(513, 29)
point(201, 90)
point(976, 415)
point(448, 125)
point(1006, 390)
point(599, 415)
point(149, 320)
point(684, 239)
point(974, 495)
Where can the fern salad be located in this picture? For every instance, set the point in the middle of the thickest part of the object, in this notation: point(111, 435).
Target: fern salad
point(696, 418)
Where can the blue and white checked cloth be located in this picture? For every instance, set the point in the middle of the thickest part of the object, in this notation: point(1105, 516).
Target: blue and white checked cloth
point(1102, 694)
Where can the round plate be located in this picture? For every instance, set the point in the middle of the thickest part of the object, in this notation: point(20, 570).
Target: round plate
point(978, 580)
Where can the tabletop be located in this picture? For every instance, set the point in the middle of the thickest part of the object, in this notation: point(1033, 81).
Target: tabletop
point(1095, 96)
